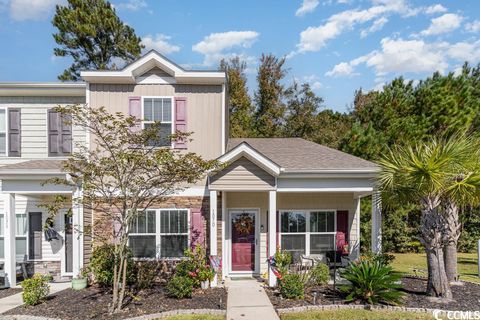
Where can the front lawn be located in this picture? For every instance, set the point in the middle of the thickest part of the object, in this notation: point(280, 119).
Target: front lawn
point(407, 262)
point(355, 314)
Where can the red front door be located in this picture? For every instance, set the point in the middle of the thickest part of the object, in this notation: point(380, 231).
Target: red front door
point(243, 241)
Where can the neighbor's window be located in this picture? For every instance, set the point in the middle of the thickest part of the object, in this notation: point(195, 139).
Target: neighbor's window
point(3, 132)
point(159, 233)
point(2, 243)
point(20, 236)
point(159, 110)
point(307, 232)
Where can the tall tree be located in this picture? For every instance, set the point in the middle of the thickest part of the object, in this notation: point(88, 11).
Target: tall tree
point(332, 126)
point(123, 176)
point(92, 34)
point(302, 108)
point(269, 117)
point(240, 105)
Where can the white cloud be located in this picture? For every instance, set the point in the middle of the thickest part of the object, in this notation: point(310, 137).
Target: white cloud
point(315, 38)
point(443, 24)
point(21, 10)
point(132, 5)
point(314, 82)
point(376, 26)
point(306, 7)
point(159, 42)
point(436, 8)
point(218, 45)
point(400, 56)
point(473, 26)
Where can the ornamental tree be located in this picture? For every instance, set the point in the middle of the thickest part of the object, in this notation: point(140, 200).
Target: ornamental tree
point(123, 174)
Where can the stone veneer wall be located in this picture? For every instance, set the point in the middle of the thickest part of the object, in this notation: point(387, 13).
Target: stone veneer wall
point(52, 268)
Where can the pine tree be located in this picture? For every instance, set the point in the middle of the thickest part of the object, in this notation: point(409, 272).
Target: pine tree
point(92, 34)
point(269, 117)
point(240, 105)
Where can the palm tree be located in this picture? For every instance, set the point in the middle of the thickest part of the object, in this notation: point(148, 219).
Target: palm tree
point(430, 174)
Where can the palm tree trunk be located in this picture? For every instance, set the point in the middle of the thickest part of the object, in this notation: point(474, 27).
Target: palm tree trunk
point(452, 234)
point(432, 231)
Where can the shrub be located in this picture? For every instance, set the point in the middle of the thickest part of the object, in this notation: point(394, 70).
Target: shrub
point(320, 274)
point(383, 258)
point(35, 289)
point(206, 274)
point(146, 273)
point(180, 287)
point(102, 265)
point(194, 262)
point(371, 282)
point(283, 259)
point(292, 286)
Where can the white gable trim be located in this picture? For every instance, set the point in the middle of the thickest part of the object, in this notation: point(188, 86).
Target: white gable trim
point(132, 73)
point(245, 150)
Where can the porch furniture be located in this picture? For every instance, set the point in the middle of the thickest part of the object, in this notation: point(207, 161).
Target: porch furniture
point(21, 269)
point(313, 259)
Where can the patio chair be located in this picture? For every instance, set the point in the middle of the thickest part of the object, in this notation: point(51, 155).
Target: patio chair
point(313, 259)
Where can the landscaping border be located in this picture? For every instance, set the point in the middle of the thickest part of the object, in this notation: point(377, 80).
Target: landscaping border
point(213, 312)
point(437, 312)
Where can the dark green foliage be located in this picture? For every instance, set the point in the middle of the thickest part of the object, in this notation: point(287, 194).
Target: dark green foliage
point(319, 274)
point(384, 259)
point(146, 274)
point(283, 259)
point(372, 283)
point(102, 265)
point(90, 32)
point(470, 218)
point(35, 289)
point(292, 286)
point(180, 287)
point(194, 262)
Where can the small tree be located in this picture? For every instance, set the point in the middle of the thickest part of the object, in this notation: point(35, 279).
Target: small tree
point(123, 174)
point(92, 34)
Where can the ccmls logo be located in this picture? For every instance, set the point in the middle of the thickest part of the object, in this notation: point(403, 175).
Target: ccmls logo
point(464, 315)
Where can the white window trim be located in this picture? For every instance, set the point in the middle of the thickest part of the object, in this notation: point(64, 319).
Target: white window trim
point(6, 132)
point(307, 232)
point(172, 113)
point(158, 234)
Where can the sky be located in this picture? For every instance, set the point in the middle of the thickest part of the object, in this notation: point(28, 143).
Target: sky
point(337, 46)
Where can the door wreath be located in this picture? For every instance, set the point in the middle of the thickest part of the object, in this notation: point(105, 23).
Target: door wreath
point(244, 224)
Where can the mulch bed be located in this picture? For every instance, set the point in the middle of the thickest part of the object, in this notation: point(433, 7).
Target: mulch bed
point(5, 292)
point(466, 296)
point(92, 303)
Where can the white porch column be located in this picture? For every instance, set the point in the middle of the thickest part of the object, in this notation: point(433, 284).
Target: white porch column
point(376, 222)
point(224, 226)
point(355, 249)
point(213, 229)
point(272, 233)
point(77, 238)
point(9, 242)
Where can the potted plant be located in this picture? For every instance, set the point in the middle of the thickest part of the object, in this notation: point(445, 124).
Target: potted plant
point(205, 275)
point(81, 281)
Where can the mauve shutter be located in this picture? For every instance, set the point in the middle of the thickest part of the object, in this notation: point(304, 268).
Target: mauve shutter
point(197, 227)
point(66, 137)
point(181, 121)
point(54, 133)
point(342, 230)
point(14, 133)
point(135, 110)
point(35, 235)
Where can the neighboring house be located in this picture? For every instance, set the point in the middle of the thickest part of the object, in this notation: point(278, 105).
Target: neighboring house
point(287, 193)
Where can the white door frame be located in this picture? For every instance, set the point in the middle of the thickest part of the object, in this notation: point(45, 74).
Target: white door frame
point(256, 212)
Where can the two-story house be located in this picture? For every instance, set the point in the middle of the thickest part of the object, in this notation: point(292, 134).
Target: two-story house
point(273, 193)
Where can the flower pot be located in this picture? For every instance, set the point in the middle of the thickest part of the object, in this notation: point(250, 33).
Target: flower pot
point(205, 284)
point(79, 284)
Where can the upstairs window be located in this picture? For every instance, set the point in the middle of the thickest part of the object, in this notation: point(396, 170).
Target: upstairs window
point(159, 110)
point(59, 135)
point(3, 132)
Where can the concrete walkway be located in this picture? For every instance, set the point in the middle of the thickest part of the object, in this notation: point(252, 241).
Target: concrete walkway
point(15, 300)
point(248, 301)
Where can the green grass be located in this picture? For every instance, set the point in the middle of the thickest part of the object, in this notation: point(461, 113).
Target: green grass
point(407, 262)
point(194, 317)
point(343, 314)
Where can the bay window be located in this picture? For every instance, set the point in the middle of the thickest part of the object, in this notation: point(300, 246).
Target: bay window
point(307, 232)
point(159, 110)
point(160, 233)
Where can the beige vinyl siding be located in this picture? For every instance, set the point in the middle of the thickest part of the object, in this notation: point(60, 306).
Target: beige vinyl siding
point(34, 141)
point(242, 174)
point(155, 71)
point(286, 201)
point(204, 109)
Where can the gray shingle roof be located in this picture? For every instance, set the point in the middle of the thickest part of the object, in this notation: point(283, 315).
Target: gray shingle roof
point(296, 154)
point(34, 165)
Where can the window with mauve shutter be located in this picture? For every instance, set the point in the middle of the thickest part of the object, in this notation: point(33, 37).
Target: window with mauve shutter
point(59, 135)
point(14, 132)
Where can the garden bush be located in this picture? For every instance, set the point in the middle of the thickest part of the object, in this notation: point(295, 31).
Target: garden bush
point(283, 259)
point(102, 265)
point(35, 289)
point(146, 273)
point(383, 258)
point(180, 287)
point(371, 282)
point(320, 274)
point(292, 286)
point(194, 262)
